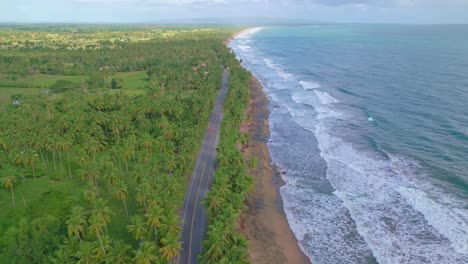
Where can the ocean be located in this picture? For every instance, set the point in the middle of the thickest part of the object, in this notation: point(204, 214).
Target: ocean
point(370, 123)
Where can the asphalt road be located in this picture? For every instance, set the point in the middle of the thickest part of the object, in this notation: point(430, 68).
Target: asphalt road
point(194, 217)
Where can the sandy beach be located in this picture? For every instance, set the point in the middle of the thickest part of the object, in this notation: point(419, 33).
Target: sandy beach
point(265, 224)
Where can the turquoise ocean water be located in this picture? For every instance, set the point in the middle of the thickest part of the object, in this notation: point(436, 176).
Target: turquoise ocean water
point(371, 124)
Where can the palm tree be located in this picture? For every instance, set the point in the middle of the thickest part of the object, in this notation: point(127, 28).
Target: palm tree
point(215, 242)
point(102, 213)
point(142, 196)
point(96, 225)
point(70, 246)
point(91, 194)
point(111, 174)
point(153, 217)
point(101, 251)
point(147, 141)
point(145, 254)
point(126, 154)
point(137, 228)
point(66, 144)
point(5, 143)
point(131, 144)
point(85, 255)
point(138, 173)
point(120, 193)
point(118, 254)
point(9, 182)
point(76, 222)
point(32, 159)
point(171, 247)
point(90, 172)
point(61, 257)
point(19, 159)
point(51, 146)
point(214, 201)
point(171, 222)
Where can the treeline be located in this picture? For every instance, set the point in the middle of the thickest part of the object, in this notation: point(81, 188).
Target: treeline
point(100, 179)
point(231, 184)
point(75, 56)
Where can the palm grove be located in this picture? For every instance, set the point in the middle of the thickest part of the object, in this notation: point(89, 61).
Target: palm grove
point(94, 177)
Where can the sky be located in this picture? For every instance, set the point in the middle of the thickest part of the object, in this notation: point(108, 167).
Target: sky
point(152, 11)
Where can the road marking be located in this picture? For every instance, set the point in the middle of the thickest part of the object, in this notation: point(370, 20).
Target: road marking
point(215, 118)
point(212, 169)
point(193, 213)
point(197, 166)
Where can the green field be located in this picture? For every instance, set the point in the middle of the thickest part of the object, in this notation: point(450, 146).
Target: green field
point(6, 92)
point(133, 84)
point(37, 80)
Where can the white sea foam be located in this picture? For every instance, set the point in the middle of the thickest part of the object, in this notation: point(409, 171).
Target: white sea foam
point(309, 85)
point(370, 119)
point(395, 212)
point(249, 32)
point(245, 48)
point(392, 228)
point(283, 74)
point(444, 212)
point(270, 64)
point(325, 98)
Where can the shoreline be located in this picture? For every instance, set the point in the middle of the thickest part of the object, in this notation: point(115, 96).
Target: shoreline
point(265, 224)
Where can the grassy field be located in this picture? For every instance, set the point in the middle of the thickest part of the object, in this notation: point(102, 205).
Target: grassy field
point(6, 92)
point(133, 84)
point(38, 80)
point(51, 195)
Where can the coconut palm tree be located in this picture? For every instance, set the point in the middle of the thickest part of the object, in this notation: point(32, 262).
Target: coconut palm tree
point(118, 253)
point(170, 222)
point(126, 154)
point(137, 228)
point(153, 219)
point(76, 222)
point(215, 243)
point(65, 144)
point(91, 193)
point(120, 193)
point(90, 172)
point(32, 159)
point(52, 147)
point(171, 247)
point(95, 227)
point(102, 213)
point(145, 254)
point(85, 254)
point(61, 256)
point(8, 182)
point(100, 251)
point(19, 159)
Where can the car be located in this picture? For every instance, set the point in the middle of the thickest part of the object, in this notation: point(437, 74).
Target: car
point(209, 130)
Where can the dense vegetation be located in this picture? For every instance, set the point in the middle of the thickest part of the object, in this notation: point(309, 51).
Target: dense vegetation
point(226, 199)
point(40, 60)
point(93, 176)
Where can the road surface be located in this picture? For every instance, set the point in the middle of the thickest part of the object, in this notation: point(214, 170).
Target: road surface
point(194, 218)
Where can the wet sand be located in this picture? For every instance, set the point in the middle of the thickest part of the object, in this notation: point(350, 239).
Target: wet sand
point(265, 224)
